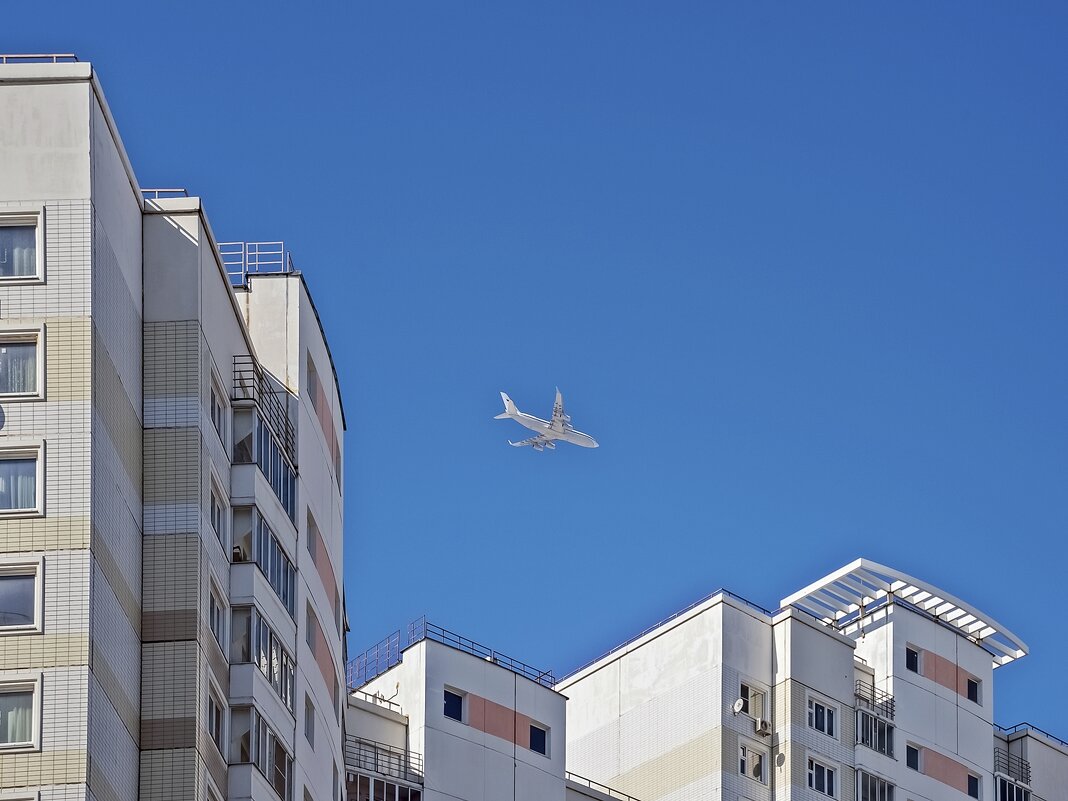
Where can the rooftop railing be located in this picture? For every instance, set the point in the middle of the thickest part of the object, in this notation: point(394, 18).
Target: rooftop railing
point(382, 656)
point(1027, 727)
point(38, 58)
point(385, 760)
point(879, 701)
point(242, 259)
point(603, 788)
point(156, 194)
point(1013, 766)
point(378, 700)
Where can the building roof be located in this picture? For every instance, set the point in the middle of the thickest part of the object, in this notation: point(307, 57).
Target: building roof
point(854, 590)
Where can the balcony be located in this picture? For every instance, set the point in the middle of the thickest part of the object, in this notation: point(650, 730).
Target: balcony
point(878, 701)
point(367, 756)
point(1013, 766)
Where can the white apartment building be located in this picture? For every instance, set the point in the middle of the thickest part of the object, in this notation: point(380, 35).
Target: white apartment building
point(868, 685)
point(171, 607)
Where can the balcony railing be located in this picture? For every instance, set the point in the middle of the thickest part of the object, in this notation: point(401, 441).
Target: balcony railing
point(385, 760)
point(381, 657)
point(38, 58)
point(878, 701)
point(602, 788)
point(250, 383)
point(1015, 767)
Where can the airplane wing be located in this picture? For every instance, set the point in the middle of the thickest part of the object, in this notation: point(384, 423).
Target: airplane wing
point(560, 419)
point(538, 443)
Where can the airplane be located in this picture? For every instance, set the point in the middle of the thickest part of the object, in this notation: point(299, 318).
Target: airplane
point(559, 429)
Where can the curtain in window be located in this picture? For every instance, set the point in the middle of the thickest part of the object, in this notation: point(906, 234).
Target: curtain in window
point(18, 483)
point(18, 367)
point(18, 250)
point(16, 717)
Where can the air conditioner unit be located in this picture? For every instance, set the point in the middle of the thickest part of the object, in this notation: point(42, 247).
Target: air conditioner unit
point(762, 727)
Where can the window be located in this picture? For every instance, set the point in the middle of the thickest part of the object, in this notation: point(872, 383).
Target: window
point(912, 659)
point(875, 733)
point(310, 625)
point(215, 721)
point(18, 715)
point(872, 788)
point(912, 757)
point(20, 596)
point(218, 515)
point(539, 740)
point(752, 700)
point(454, 705)
point(253, 640)
point(821, 717)
point(1010, 791)
point(973, 785)
point(309, 720)
point(218, 413)
point(751, 763)
point(21, 474)
point(255, 443)
point(255, 542)
point(21, 365)
point(253, 741)
point(215, 617)
point(973, 690)
point(21, 246)
point(368, 788)
point(821, 778)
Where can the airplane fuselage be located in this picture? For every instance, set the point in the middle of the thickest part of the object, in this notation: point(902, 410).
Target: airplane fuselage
point(545, 428)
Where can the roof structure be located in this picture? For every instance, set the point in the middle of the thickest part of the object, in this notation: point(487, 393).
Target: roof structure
point(855, 590)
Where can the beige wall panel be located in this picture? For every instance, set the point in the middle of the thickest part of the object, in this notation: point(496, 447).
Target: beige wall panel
point(42, 767)
point(27, 651)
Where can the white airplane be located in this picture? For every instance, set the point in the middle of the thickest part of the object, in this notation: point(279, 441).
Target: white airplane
point(549, 432)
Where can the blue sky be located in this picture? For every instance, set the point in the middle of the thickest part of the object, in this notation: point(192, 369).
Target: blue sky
point(799, 268)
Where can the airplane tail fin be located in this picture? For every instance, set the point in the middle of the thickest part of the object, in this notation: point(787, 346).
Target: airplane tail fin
point(509, 408)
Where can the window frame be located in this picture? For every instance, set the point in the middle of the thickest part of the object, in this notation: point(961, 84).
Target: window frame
point(463, 704)
point(978, 785)
point(21, 334)
point(888, 786)
point(220, 426)
point(22, 216)
point(545, 730)
point(217, 620)
point(20, 566)
point(754, 689)
point(968, 683)
point(919, 757)
point(746, 750)
point(215, 703)
point(877, 722)
point(27, 449)
point(21, 683)
point(830, 712)
point(309, 720)
point(828, 770)
point(918, 670)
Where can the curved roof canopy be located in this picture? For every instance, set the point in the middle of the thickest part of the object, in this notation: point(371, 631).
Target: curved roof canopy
point(854, 590)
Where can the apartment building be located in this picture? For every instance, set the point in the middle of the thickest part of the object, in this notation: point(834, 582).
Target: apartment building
point(171, 606)
point(867, 685)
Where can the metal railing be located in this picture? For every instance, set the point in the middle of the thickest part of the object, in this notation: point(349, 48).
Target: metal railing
point(668, 619)
point(38, 58)
point(385, 654)
point(879, 701)
point(241, 259)
point(603, 788)
point(1011, 765)
point(378, 700)
point(1028, 727)
point(250, 383)
point(156, 194)
point(385, 760)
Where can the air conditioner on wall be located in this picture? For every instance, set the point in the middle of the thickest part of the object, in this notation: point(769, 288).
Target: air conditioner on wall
point(762, 727)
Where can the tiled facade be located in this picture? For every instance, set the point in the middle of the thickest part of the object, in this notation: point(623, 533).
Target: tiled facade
point(139, 329)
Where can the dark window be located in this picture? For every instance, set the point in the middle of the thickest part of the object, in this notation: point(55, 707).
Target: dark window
point(973, 786)
point(18, 251)
point(539, 740)
point(18, 595)
point(912, 660)
point(454, 706)
point(973, 690)
point(912, 757)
